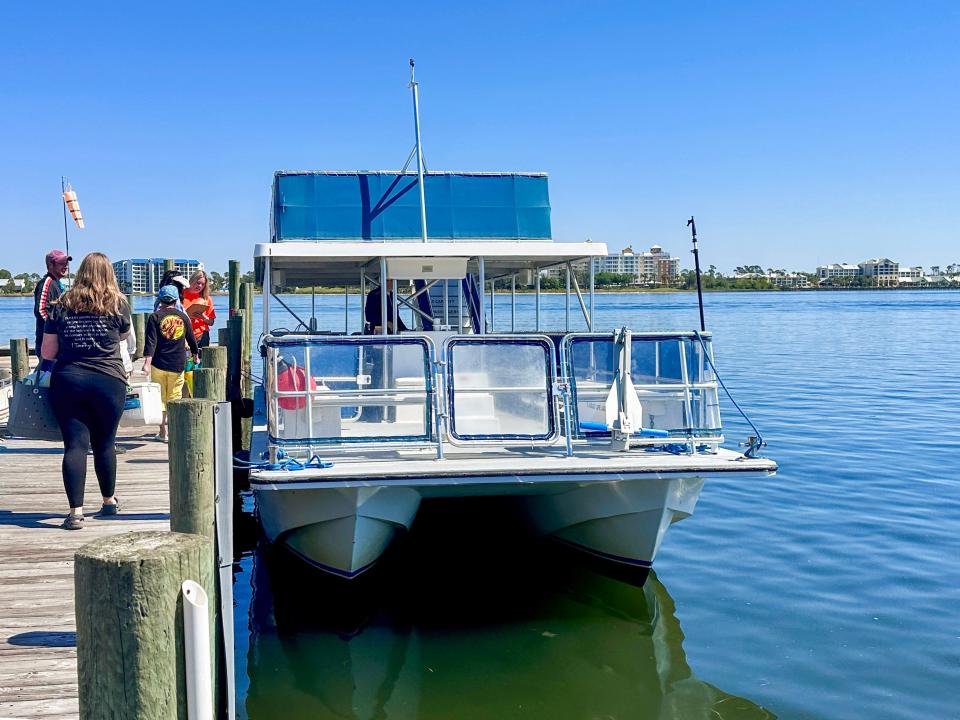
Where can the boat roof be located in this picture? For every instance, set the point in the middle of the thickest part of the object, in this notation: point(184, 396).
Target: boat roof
point(341, 262)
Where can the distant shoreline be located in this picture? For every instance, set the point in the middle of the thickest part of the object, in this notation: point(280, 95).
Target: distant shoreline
point(604, 291)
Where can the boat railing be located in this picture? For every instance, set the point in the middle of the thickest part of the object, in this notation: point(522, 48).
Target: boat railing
point(505, 389)
point(673, 379)
point(346, 390)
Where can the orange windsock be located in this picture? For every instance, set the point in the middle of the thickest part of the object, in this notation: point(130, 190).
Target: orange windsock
point(73, 205)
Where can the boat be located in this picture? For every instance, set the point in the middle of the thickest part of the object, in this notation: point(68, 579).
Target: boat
point(597, 438)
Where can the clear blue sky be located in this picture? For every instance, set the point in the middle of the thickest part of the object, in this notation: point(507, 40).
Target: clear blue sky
point(797, 132)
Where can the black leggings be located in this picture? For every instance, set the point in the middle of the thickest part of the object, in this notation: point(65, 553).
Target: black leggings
point(88, 405)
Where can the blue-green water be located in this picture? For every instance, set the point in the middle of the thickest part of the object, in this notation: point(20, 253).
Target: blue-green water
point(831, 590)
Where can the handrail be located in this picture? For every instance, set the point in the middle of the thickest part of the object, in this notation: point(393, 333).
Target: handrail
point(436, 391)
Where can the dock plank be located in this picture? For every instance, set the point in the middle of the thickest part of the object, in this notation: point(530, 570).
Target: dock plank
point(38, 659)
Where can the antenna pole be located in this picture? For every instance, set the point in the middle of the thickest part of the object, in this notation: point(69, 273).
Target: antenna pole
point(696, 264)
point(416, 126)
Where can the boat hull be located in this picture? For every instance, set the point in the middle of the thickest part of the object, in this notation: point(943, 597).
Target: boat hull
point(620, 520)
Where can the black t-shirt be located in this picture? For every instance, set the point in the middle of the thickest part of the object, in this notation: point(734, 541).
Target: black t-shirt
point(88, 341)
point(167, 331)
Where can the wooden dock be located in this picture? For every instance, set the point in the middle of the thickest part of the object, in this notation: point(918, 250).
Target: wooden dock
point(38, 666)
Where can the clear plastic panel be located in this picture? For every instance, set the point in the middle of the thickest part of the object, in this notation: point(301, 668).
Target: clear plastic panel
point(501, 389)
point(358, 391)
point(657, 372)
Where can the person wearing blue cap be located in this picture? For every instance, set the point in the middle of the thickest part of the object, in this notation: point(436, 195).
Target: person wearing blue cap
point(163, 349)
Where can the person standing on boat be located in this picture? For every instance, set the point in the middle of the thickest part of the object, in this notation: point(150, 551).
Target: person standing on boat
point(199, 307)
point(47, 290)
point(163, 354)
point(372, 312)
point(81, 346)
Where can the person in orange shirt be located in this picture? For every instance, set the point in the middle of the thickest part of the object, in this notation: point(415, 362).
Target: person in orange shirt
point(199, 307)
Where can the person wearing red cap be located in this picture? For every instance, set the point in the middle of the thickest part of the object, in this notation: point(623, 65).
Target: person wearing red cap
point(48, 290)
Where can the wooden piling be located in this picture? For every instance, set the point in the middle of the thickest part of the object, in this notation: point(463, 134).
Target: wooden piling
point(223, 337)
point(233, 285)
point(192, 461)
point(19, 358)
point(235, 350)
point(214, 356)
point(169, 265)
point(210, 383)
point(129, 613)
point(139, 322)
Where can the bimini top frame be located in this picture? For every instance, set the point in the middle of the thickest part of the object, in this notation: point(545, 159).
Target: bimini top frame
point(351, 264)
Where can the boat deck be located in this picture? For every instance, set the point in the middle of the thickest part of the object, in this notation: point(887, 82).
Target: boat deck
point(363, 466)
point(38, 660)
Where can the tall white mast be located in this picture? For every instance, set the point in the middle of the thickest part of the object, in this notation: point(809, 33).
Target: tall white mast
point(419, 149)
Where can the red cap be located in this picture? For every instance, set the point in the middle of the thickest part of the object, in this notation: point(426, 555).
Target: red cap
point(58, 257)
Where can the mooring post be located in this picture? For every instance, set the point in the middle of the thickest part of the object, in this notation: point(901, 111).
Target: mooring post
point(223, 337)
point(214, 356)
point(235, 350)
point(191, 463)
point(246, 304)
point(210, 383)
point(169, 265)
point(139, 322)
point(130, 628)
point(19, 359)
point(233, 285)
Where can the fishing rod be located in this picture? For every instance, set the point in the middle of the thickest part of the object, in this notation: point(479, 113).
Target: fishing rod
point(696, 264)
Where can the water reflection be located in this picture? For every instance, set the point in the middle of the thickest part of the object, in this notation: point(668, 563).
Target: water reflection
point(464, 621)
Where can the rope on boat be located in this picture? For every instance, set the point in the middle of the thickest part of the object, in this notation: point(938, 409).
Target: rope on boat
point(754, 443)
point(284, 463)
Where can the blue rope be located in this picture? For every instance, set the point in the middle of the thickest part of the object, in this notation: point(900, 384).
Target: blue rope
point(759, 442)
point(288, 464)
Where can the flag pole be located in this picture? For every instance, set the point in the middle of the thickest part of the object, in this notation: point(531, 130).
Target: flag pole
point(66, 233)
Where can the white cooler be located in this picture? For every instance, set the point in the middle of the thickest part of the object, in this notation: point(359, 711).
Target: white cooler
point(142, 406)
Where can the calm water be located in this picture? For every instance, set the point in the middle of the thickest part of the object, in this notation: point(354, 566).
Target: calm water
point(829, 591)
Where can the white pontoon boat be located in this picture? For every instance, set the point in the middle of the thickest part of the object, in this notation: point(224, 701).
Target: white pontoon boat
point(602, 438)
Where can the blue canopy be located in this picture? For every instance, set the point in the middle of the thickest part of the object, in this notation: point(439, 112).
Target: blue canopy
point(386, 206)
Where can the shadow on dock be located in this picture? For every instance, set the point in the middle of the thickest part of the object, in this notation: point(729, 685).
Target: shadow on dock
point(39, 638)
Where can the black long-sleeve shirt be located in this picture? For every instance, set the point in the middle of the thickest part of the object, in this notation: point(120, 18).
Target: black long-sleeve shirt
point(167, 330)
point(371, 311)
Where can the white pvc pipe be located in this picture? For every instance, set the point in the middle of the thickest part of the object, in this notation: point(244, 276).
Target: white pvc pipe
point(196, 640)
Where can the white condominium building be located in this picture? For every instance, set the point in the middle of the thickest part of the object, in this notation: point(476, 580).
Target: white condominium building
point(838, 271)
point(143, 275)
point(654, 267)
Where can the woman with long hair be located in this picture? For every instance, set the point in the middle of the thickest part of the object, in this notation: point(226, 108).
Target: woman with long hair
point(81, 344)
point(199, 307)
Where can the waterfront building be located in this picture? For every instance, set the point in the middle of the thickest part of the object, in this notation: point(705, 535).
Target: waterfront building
point(911, 276)
point(883, 272)
point(143, 275)
point(653, 267)
point(826, 274)
point(788, 279)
